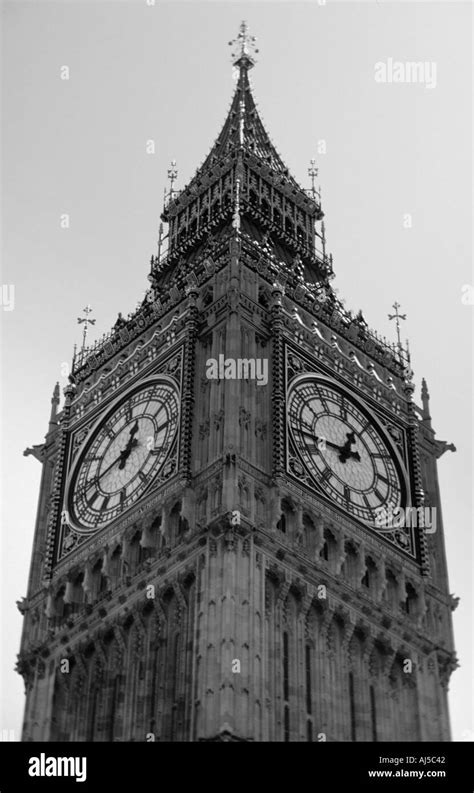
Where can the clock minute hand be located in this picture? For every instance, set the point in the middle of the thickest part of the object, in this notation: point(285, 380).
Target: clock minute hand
point(110, 466)
point(127, 452)
point(316, 439)
point(131, 443)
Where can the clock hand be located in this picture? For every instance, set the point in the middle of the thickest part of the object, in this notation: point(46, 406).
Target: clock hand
point(127, 452)
point(109, 467)
point(346, 451)
point(316, 439)
point(131, 439)
point(131, 443)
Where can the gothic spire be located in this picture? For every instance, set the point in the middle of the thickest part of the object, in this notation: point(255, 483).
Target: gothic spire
point(243, 178)
point(425, 400)
point(243, 127)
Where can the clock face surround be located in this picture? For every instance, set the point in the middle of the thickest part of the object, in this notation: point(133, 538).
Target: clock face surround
point(343, 448)
point(124, 453)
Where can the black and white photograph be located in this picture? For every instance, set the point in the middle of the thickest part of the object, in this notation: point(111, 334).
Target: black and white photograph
point(237, 298)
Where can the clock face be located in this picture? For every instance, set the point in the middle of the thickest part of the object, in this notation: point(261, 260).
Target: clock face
point(124, 454)
point(344, 449)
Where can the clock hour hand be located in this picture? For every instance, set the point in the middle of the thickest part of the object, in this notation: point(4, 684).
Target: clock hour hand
point(125, 453)
point(346, 451)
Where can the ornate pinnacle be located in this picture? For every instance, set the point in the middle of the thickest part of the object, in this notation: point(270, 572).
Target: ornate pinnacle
point(397, 317)
point(425, 400)
point(172, 176)
point(244, 48)
point(312, 172)
point(87, 310)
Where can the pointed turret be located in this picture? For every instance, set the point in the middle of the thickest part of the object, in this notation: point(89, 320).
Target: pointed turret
point(243, 126)
point(243, 183)
point(425, 401)
point(54, 407)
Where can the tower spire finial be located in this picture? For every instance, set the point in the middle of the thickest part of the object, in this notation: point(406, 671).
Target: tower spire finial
point(312, 173)
point(244, 48)
point(86, 321)
point(397, 317)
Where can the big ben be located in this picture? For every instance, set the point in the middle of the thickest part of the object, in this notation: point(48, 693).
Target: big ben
point(207, 563)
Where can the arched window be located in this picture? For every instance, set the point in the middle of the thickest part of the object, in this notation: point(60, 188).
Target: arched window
point(76, 593)
point(99, 581)
point(409, 603)
point(391, 592)
point(284, 521)
point(177, 524)
point(60, 607)
point(350, 563)
point(281, 524)
point(136, 553)
point(115, 566)
point(309, 533)
point(370, 573)
point(328, 550)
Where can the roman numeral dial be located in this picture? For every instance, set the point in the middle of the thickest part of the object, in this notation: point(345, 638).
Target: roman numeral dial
point(343, 447)
point(125, 453)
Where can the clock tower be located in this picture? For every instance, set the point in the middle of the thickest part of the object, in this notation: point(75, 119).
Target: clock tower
point(239, 531)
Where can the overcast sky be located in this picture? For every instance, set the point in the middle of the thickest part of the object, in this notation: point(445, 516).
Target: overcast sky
point(162, 72)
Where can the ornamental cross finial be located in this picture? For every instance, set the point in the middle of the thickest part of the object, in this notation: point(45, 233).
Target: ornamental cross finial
point(397, 317)
point(172, 176)
point(243, 47)
point(87, 310)
point(312, 172)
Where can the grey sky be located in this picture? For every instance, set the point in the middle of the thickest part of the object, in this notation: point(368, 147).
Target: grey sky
point(162, 72)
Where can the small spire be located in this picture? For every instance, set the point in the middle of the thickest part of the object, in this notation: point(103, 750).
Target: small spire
point(86, 321)
point(243, 48)
point(172, 176)
point(323, 239)
point(425, 400)
point(54, 407)
point(397, 317)
point(160, 241)
point(312, 173)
